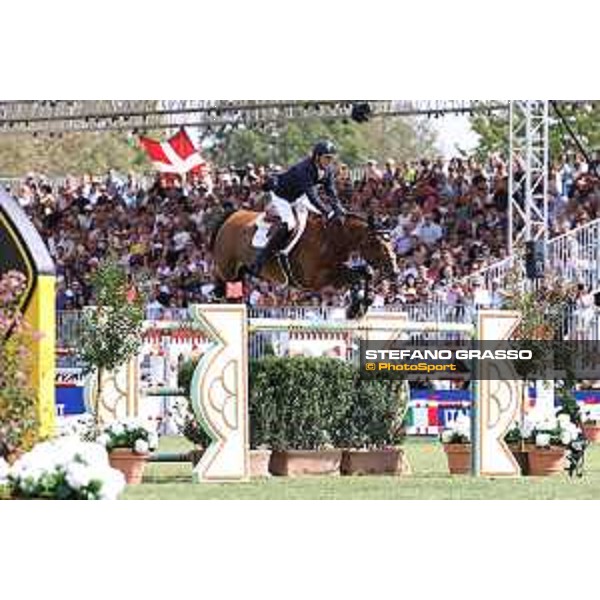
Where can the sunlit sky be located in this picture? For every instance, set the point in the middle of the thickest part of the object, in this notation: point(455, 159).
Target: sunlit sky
point(454, 131)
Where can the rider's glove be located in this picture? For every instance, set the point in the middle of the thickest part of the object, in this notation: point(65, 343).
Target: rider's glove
point(337, 212)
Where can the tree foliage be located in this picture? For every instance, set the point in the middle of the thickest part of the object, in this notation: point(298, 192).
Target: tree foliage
point(396, 138)
point(71, 153)
point(493, 130)
point(112, 330)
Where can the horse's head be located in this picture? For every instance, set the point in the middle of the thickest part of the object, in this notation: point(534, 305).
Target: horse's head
point(375, 247)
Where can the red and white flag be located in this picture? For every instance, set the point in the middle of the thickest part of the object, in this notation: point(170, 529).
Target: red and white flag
point(176, 155)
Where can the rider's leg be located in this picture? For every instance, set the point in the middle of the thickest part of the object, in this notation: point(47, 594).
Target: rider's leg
point(278, 237)
point(274, 245)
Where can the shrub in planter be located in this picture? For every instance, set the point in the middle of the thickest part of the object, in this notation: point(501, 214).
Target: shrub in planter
point(297, 407)
point(372, 429)
point(374, 418)
point(299, 403)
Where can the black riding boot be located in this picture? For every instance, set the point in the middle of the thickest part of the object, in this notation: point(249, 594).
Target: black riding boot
point(275, 243)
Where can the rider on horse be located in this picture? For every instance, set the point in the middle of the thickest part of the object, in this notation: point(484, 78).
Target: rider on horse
point(299, 182)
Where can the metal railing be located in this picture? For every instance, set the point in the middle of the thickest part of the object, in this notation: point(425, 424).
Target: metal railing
point(573, 256)
point(577, 321)
point(68, 323)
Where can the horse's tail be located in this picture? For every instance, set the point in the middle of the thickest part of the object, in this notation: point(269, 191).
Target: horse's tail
point(215, 225)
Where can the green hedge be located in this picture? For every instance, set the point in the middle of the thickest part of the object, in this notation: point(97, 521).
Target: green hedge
point(309, 403)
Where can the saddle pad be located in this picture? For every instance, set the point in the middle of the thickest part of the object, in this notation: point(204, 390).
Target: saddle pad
point(263, 226)
point(261, 236)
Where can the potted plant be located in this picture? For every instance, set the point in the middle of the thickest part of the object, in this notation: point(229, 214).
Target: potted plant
point(591, 426)
point(456, 439)
point(372, 429)
point(551, 439)
point(63, 469)
point(111, 330)
point(262, 422)
point(129, 443)
point(306, 399)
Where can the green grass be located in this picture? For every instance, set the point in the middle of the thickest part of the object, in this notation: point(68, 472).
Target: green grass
point(429, 481)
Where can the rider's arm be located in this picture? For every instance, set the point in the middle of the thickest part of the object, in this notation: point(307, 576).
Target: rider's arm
point(313, 195)
point(329, 185)
point(330, 189)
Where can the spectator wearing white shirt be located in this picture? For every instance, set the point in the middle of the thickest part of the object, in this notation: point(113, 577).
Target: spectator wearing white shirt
point(429, 231)
point(481, 296)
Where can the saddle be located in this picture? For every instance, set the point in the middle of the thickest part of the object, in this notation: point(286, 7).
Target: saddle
point(264, 224)
point(265, 221)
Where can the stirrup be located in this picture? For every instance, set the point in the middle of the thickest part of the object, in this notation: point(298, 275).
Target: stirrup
point(286, 267)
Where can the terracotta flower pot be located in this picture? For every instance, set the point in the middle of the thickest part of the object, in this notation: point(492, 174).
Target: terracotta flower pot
point(546, 461)
point(259, 463)
point(592, 432)
point(306, 462)
point(130, 463)
point(389, 461)
point(459, 458)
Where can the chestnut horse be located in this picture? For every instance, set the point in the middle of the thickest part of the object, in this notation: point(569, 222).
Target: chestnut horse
point(318, 260)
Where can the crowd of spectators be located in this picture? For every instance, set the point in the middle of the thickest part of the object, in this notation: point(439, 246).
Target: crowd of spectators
point(447, 220)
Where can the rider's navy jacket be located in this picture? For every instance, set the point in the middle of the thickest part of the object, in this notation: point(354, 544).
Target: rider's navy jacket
point(303, 178)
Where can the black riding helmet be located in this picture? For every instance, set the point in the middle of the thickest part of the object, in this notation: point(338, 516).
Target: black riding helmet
point(323, 148)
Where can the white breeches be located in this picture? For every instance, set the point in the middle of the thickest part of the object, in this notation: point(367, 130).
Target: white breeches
point(287, 212)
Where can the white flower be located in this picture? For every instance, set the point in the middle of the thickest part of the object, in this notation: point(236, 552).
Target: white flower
point(78, 475)
point(153, 441)
point(447, 436)
point(462, 426)
point(103, 439)
point(548, 424)
point(564, 420)
point(116, 428)
point(4, 471)
point(542, 440)
point(113, 484)
point(141, 446)
point(565, 438)
point(528, 427)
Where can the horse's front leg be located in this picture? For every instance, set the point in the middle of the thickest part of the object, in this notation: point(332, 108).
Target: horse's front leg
point(358, 279)
point(349, 276)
